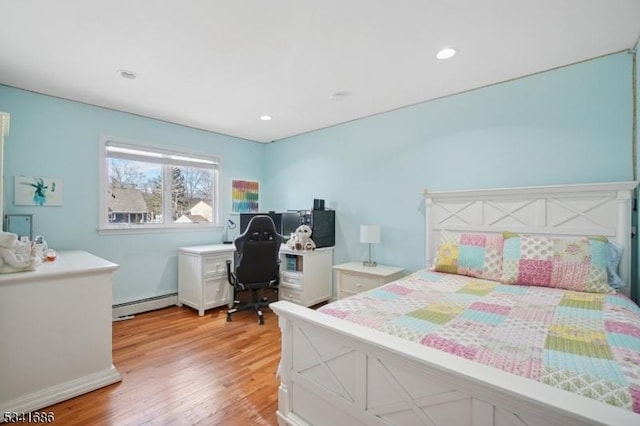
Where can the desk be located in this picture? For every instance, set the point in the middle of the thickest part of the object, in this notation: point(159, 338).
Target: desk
point(203, 284)
point(202, 276)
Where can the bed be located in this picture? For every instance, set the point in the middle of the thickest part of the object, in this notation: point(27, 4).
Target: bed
point(337, 371)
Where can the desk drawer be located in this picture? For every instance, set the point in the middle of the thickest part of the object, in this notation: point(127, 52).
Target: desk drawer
point(215, 264)
point(291, 280)
point(217, 292)
point(354, 283)
point(291, 295)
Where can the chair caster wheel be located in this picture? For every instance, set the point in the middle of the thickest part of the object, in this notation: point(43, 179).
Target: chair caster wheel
point(261, 320)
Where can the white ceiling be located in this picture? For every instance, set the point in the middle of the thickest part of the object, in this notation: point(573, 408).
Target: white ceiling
point(220, 65)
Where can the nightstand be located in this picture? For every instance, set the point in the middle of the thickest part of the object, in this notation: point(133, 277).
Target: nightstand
point(354, 278)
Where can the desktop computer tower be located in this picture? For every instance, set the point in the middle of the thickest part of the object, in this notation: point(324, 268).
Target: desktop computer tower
point(323, 226)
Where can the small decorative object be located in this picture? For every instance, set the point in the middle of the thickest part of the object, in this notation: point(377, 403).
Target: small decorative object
point(244, 197)
point(301, 239)
point(50, 255)
point(16, 256)
point(37, 191)
point(40, 247)
point(369, 234)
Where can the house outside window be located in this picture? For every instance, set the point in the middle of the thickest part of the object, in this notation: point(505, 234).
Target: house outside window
point(145, 187)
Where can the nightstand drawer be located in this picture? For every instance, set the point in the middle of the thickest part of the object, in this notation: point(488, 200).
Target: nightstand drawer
point(214, 265)
point(354, 283)
point(354, 277)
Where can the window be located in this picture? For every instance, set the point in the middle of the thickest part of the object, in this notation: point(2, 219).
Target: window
point(145, 187)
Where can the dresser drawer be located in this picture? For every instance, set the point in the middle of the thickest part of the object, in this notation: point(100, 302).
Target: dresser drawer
point(214, 264)
point(354, 283)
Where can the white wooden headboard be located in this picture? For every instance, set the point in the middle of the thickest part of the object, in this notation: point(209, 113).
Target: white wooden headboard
point(567, 210)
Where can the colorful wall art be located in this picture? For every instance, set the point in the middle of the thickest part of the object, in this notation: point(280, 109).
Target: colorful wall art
point(245, 196)
point(37, 191)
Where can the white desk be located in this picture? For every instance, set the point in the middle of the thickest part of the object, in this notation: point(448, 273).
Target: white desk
point(305, 276)
point(55, 329)
point(202, 276)
point(203, 284)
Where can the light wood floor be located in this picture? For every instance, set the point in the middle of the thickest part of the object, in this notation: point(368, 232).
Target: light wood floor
point(180, 369)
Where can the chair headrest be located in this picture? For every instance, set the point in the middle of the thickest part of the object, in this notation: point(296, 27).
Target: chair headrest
point(260, 228)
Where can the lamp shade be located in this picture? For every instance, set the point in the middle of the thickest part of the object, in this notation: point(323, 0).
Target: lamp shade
point(369, 234)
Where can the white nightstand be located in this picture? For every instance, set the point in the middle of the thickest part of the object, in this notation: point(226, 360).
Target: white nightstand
point(354, 278)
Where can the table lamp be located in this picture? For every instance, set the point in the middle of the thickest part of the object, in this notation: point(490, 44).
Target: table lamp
point(369, 234)
point(230, 225)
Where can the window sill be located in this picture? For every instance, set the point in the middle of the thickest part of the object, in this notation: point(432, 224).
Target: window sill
point(150, 229)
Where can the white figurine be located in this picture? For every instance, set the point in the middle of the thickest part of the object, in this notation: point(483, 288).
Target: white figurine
point(10, 258)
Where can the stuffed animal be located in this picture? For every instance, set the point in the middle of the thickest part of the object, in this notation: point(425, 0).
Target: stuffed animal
point(301, 239)
point(11, 260)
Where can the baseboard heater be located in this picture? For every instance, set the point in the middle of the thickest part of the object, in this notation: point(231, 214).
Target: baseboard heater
point(138, 306)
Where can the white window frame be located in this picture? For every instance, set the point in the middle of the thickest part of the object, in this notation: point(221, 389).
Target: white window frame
point(124, 228)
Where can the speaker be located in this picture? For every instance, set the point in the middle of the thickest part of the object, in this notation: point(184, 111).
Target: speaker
point(323, 226)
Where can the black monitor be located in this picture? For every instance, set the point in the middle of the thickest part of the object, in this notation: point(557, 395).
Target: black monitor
point(290, 222)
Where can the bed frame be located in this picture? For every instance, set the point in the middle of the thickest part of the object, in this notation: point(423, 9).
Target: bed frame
point(338, 373)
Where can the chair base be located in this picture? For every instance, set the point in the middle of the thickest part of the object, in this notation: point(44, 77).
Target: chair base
point(255, 304)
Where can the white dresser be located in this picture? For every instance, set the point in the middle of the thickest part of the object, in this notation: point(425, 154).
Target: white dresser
point(306, 277)
point(354, 278)
point(55, 329)
point(202, 276)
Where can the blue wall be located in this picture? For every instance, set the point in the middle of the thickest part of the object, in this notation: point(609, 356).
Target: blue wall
point(58, 138)
point(570, 125)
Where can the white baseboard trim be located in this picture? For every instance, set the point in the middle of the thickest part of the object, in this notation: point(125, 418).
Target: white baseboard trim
point(54, 394)
point(139, 306)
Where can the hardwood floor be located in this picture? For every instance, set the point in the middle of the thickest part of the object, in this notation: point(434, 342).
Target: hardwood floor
point(180, 369)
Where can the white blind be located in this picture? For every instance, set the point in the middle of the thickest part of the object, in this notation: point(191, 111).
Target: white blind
point(158, 155)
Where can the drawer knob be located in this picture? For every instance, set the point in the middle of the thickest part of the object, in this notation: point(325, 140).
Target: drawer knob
point(358, 285)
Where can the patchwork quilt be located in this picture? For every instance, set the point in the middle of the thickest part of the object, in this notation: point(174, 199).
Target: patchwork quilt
point(585, 343)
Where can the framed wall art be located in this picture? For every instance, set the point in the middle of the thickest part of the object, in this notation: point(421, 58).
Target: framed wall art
point(245, 196)
point(37, 191)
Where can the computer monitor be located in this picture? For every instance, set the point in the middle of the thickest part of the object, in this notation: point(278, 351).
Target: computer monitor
point(290, 222)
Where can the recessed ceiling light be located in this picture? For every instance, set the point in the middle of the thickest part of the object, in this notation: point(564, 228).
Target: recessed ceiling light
point(265, 117)
point(127, 74)
point(446, 53)
point(338, 96)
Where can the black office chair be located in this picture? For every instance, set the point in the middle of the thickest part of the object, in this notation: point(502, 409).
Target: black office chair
point(257, 265)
